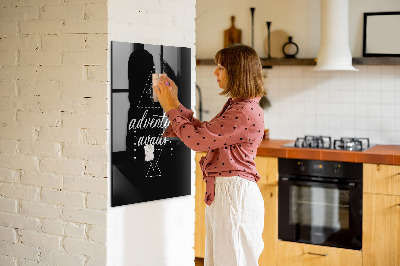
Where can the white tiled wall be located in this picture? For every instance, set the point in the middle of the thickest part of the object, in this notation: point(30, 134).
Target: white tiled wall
point(338, 104)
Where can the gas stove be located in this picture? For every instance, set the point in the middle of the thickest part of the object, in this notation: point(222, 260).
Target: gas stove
point(325, 142)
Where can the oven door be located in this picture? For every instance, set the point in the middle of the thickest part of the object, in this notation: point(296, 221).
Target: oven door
point(320, 212)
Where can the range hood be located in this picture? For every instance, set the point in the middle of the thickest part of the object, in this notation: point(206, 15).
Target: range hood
point(334, 51)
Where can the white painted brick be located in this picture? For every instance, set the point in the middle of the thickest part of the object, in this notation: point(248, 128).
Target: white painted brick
point(94, 201)
point(92, 1)
point(8, 146)
point(60, 73)
point(61, 259)
point(39, 118)
point(97, 260)
point(25, 103)
point(7, 88)
point(39, 87)
point(25, 262)
point(75, 230)
point(19, 161)
point(17, 191)
point(40, 148)
point(65, 42)
point(95, 105)
point(8, 205)
point(97, 42)
point(36, 2)
point(7, 175)
point(8, 234)
point(85, 89)
point(96, 136)
point(17, 132)
point(87, 216)
point(38, 209)
point(98, 234)
point(84, 247)
point(53, 227)
point(40, 58)
point(96, 185)
point(85, 120)
point(40, 27)
point(55, 103)
point(19, 251)
point(73, 104)
point(62, 166)
point(19, 221)
point(98, 169)
point(18, 72)
point(8, 58)
point(87, 57)
point(7, 117)
point(19, 43)
point(8, 261)
point(97, 11)
point(57, 134)
point(63, 197)
point(62, 12)
point(19, 13)
point(41, 179)
point(85, 152)
point(35, 239)
point(97, 73)
point(85, 26)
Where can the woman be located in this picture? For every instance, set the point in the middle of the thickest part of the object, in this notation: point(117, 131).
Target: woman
point(235, 207)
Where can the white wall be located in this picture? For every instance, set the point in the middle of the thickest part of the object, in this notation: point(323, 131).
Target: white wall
point(159, 232)
point(299, 18)
point(338, 104)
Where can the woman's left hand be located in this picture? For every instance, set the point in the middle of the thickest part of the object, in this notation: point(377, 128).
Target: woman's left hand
point(163, 92)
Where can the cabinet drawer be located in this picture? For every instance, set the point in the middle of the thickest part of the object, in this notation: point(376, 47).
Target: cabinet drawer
point(293, 254)
point(381, 179)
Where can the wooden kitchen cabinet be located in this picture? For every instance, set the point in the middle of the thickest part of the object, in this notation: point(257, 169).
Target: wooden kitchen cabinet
point(267, 168)
point(298, 254)
point(381, 179)
point(270, 233)
point(381, 215)
point(200, 207)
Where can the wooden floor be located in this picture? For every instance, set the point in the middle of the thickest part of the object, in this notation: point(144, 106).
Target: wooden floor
point(199, 262)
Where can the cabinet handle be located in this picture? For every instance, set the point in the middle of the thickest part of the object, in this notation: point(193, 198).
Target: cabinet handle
point(318, 254)
point(398, 204)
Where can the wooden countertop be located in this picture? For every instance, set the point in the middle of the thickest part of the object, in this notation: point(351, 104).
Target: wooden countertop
point(379, 154)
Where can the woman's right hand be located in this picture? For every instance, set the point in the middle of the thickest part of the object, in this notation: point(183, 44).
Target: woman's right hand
point(174, 90)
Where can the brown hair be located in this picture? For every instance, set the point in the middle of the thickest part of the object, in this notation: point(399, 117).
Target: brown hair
point(245, 78)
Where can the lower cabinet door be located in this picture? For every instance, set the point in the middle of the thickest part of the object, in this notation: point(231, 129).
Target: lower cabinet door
point(200, 207)
point(294, 254)
point(381, 230)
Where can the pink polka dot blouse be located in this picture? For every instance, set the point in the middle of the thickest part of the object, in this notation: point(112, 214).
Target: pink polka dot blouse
point(231, 139)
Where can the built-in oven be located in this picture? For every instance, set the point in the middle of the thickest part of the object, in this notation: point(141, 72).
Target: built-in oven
point(320, 202)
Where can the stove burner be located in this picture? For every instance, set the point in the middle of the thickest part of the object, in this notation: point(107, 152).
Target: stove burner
point(308, 141)
point(351, 144)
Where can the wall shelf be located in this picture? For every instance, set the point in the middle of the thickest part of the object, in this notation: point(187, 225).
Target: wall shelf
point(312, 61)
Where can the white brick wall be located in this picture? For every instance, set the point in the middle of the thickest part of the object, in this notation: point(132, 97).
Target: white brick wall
point(53, 121)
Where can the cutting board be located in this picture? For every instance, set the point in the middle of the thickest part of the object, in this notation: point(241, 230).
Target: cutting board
point(232, 35)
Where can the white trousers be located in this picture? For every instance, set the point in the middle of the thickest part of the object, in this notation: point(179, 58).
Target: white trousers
point(234, 223)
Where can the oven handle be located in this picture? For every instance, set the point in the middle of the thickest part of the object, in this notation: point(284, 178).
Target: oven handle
point(297, 181)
